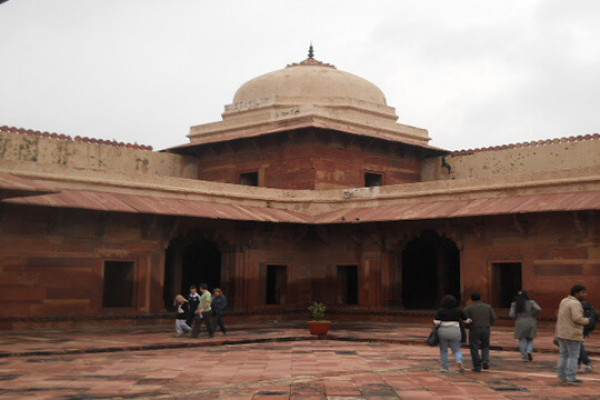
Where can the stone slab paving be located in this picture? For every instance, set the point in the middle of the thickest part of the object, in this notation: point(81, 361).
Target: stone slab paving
point(370, 361)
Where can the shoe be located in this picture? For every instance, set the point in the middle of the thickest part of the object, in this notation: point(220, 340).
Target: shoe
point(443, 370)
point(575, 382)
point(460, 367)
point(476, 369)
point(486, 365)
point(529, 357)
point(587, 369)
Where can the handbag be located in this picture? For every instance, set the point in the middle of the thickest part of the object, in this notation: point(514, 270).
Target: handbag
point(434, 338)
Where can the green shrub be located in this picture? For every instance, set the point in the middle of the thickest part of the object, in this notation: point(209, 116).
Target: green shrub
point(317, 311)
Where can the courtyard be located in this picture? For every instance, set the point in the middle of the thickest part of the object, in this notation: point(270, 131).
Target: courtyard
point(271, 361)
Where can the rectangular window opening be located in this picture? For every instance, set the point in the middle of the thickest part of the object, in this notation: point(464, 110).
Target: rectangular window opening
point(372, 179)
point(118, 284)
point(249, 178)
point(277, 282)
point(347, 284)
point(506, 283)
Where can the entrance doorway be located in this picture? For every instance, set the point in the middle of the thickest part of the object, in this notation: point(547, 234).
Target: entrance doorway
point(347, 284)
point(118, 288)
point(190, 261)
point(506, 283)
point(277, 283)
point(430, 269)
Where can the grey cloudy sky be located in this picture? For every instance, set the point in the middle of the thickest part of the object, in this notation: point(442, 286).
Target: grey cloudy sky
point(474, 73)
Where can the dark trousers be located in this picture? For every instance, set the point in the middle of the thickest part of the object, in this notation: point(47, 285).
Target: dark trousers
point(479, 339)
point(583, 356)
point(218, 322)
point(207, 319)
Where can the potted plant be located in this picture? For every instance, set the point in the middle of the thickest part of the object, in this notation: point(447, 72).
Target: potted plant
point(318, 325)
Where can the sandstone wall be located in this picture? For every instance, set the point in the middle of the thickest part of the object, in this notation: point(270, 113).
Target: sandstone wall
point(542, 156)
point(19, 146)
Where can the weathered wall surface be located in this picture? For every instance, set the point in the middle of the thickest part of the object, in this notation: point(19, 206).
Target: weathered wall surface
point(51, 263)
point(556, 251)
point(543, 156)
point(307, 161)
point(79, 154)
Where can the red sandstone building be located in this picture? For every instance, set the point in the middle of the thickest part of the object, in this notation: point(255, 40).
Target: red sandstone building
point(307, 190)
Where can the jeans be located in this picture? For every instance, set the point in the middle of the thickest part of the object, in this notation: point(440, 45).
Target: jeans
point(567, 362)
point(479, 339)
point(181, 326)
point(584, 358)
point(455, 346)
point(525, 346)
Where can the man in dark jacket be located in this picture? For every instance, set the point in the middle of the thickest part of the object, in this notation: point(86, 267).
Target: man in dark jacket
point(588, 312)
point(483, 317)
point(194, 300)
point(219, 303)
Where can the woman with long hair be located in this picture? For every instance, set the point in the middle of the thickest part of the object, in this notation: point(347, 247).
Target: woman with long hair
point(447, 321)
point(525, 311)
point(182, 314)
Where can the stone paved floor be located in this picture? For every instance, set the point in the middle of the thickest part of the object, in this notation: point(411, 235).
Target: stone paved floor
point(270, 362)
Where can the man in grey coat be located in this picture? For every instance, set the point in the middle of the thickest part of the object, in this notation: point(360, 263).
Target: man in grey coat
point(569, 333)
point(483, 317)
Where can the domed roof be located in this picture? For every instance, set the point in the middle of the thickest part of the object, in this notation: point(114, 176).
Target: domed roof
point(310, 81)
point(309, 94)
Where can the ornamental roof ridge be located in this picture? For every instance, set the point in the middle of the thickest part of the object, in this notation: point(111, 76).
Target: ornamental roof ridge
point(59, 136)
point(534, 143)
point(311, 62)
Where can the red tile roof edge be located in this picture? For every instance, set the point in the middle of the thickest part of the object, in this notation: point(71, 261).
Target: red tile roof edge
point(535, 143)
point(52, 135)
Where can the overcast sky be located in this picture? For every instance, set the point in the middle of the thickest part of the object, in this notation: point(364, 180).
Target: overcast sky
point(474, 73)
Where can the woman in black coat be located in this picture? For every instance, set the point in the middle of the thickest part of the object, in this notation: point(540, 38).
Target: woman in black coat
point(447, 321)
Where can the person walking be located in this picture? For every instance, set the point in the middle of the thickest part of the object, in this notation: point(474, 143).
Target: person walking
point(194, 300)
point(203, 313)
point(569, 334)
point(218, 305)
point(482, 317)
point(584, 360)
point(182, 315)
point(447, 321)
point(525, 311)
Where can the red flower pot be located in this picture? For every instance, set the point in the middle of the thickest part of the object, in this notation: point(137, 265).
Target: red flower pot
point(319, 327)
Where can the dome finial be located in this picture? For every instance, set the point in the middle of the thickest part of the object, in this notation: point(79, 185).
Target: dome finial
point(311, 53)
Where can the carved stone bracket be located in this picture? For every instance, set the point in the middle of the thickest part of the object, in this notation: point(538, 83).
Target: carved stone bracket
point(521, 223)
point(582, 221)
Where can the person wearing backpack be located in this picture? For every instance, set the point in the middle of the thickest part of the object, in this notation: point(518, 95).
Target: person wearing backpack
point(588, 312)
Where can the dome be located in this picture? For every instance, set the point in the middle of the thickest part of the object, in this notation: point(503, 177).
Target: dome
point(309, 94)
point(310, 81)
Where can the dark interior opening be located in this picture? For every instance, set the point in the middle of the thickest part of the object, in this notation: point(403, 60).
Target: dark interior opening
point(430, 270)
point(201, 263)
point(249, 178)
point(506, 283)
point(118, 284)
point(276, 284)
point(190, 261)
point(347, 284)
point(372, 179)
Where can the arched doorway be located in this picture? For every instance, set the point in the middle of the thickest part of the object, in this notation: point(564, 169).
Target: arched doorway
point(430, 269)
point(190, 261)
